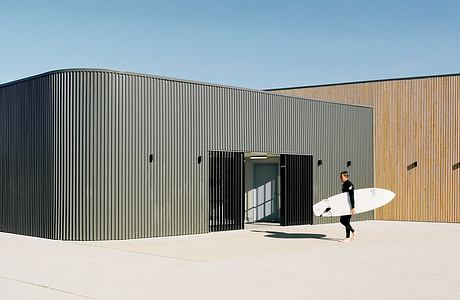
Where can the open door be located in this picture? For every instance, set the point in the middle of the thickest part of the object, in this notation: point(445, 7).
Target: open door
point(226, 190)
point(296, 205)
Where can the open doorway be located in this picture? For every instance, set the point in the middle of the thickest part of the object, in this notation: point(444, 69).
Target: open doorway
point(259, 188)
point(262, 188)
point(278, 189)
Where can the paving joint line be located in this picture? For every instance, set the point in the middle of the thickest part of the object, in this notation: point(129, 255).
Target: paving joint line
point(144, 253)
point(45, 286)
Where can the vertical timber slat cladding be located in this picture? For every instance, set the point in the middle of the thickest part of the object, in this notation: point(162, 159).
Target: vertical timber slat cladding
point(416, 120)
point(76, 148)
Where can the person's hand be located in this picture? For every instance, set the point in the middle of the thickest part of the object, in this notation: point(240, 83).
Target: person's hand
point(353, 211)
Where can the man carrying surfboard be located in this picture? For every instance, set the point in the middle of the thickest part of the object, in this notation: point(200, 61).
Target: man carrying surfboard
point(347, 187)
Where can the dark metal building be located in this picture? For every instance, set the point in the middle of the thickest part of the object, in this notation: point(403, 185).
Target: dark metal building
point(97, 154)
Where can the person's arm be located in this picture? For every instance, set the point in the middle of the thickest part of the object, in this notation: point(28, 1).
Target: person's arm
point(351, 192)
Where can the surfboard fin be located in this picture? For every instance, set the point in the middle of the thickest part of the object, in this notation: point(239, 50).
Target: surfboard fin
point(326, 211)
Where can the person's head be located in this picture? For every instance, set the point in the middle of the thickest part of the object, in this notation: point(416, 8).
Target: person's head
point(344, 176)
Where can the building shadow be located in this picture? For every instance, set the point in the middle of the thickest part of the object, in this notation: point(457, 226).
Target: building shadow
point(286, 235)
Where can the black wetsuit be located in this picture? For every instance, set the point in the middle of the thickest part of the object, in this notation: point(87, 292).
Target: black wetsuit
point(347, 187)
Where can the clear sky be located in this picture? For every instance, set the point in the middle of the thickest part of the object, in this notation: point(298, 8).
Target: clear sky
point(248, 43)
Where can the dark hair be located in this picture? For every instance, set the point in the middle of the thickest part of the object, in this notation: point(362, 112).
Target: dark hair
point(345, 173)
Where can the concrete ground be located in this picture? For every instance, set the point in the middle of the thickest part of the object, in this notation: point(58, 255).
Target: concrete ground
point(396, 260)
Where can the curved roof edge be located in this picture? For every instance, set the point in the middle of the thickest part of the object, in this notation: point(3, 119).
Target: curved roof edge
point(57, 71)
point(362, 81)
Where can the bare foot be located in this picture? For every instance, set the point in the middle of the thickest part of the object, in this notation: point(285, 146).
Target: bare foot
point(345, 240)
point(353, 235)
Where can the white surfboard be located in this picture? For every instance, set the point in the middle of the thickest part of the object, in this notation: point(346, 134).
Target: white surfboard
point(365, 200)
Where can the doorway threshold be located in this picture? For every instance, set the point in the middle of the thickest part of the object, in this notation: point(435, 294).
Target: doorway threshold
point(264, 224)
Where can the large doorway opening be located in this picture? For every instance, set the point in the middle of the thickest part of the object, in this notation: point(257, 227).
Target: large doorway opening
point(259, 188)
point(262, 188)
point(278, 189)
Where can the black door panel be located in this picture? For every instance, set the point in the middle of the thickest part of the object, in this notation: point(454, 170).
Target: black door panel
point(226, 190)
point(296, 189)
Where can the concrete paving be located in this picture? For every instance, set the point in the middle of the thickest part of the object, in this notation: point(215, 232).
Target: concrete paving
point(396, 260)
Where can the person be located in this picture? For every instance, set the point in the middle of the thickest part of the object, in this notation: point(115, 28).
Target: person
point(347, 187)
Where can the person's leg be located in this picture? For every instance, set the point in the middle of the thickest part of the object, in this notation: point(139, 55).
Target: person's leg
point(350, 229)
point(347, 225)
point(343, 221)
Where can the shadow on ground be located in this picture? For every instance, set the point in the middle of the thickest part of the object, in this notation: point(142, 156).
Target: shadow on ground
point(285, 235)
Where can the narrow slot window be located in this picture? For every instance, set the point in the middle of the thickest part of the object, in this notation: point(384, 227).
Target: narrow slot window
point(412, 166)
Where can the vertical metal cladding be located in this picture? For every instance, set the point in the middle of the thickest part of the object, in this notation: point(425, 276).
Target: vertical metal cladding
point(94, 155)
point(26, 158)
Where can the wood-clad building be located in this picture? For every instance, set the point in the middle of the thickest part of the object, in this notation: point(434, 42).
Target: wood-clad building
point(417, 141)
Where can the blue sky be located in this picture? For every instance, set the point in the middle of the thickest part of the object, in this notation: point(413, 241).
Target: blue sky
point(255, 44)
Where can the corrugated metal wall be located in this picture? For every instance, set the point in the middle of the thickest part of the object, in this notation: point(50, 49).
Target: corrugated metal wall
point(26, 159)
point(417, 119)
point(107, 124)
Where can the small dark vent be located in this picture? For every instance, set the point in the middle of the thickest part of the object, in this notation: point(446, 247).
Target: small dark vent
point(151, 158)
point(411, 166)
point(348, 163)
point(199, 159)
point(456, 166)
point(320, 162)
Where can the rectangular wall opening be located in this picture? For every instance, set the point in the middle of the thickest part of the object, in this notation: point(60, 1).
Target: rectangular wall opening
point(259, 188)
point(262, 188)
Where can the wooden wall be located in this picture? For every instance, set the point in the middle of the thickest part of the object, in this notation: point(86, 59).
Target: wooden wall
point(415, 120)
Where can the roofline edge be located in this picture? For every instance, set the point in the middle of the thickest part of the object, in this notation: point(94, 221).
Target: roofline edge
point(362, 81)
point(57, 71)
